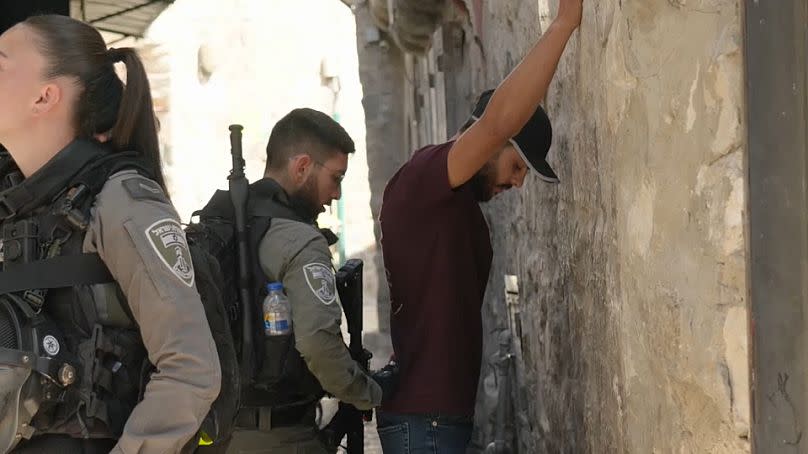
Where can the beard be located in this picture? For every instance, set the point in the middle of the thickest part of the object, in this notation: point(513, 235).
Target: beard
point(482, 183)
point(305, 199)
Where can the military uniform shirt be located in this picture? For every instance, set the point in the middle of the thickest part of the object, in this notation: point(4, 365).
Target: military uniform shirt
point(297, 255)
point(137, 233)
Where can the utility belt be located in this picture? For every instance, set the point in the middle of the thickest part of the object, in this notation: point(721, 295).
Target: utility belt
point(267, 418)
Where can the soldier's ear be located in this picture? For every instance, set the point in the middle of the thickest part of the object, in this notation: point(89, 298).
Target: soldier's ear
point(299, 167)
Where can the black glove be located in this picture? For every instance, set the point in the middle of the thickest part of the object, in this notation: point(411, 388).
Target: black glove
point(387, 378)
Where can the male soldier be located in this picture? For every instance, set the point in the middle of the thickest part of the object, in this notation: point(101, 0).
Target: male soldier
point(437, 248)
point(307, 157)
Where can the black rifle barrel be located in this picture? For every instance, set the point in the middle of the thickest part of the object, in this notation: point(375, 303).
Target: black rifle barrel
point(239, 186)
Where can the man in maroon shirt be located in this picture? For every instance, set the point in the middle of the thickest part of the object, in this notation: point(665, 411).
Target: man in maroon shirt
point(437, 249)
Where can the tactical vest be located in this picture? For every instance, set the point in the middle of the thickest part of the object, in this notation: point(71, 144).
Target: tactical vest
point(280, 376)
point(102, 363)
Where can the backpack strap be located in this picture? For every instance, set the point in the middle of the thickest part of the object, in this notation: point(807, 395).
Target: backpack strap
point(74, 203)
point(56, 272)
point(95, 175)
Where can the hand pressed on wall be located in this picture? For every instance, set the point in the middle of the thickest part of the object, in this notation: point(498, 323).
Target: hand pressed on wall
point(570, 12)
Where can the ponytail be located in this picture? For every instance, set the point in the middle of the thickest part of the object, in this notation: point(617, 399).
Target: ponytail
point(136, 125)
point(105, 105)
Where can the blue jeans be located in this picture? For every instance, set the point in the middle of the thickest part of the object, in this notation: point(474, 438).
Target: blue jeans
point(423, 434)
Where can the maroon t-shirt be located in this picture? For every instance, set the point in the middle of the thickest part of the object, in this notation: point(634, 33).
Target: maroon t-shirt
point(437, 252)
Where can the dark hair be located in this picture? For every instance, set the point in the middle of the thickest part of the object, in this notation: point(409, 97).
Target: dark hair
point(308, 128)
point(105, 105)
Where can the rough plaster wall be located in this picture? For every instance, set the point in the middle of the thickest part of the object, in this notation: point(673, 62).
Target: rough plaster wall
point(632, 270)
point(381, 70)
point(410, 23)
point(636, 284)
point(679, 158)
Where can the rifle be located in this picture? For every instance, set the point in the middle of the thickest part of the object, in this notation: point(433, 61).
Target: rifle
point(238, 186)
point(349, 420)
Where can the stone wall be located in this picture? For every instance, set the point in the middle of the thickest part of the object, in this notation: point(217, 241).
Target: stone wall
point(630, 323)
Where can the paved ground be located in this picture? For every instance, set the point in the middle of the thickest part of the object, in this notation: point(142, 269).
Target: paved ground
point(372, 445)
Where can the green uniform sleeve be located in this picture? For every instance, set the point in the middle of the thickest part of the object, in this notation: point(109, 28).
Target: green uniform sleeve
point(137, 233)
point(298, 256)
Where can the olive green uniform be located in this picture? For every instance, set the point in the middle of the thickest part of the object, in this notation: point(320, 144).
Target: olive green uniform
point(137, 233)
point(297, 255)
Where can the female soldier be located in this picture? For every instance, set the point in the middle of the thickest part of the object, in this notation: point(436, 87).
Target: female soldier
point(89, 191)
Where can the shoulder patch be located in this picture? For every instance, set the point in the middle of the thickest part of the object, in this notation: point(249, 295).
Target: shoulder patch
point(168, 240)
point(144, 189)
point(321, 282)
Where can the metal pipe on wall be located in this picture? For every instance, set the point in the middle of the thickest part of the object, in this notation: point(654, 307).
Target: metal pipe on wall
point(776, 42)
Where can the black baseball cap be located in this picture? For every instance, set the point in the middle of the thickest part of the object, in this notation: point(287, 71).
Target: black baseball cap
point(532, 142)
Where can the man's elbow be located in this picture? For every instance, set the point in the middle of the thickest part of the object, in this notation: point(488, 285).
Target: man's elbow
point(503, 118)
point(501, 125)
point(311, 349)
point(323, 360)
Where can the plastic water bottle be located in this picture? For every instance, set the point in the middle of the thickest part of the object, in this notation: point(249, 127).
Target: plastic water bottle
point(277, 311)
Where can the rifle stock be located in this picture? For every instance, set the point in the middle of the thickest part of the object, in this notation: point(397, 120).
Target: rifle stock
point(349, 420)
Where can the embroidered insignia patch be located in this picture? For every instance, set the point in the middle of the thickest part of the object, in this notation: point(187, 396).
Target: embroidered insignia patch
point(321, 282)
point(168, 240)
